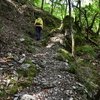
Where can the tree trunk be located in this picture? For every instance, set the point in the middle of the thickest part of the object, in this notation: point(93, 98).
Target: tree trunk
point(52, 6)
point(42, 4)
point(94, 17)
point(98, 31)
point(66, 8)
point(80, 13)
point(72, 35)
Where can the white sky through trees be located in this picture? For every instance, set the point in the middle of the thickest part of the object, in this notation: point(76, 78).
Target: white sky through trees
point(84, 2)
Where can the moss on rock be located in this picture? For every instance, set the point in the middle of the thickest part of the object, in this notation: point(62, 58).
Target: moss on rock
point(65, 54)
point(66, 22)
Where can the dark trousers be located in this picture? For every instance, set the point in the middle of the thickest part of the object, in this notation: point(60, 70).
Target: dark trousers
point(38, 31)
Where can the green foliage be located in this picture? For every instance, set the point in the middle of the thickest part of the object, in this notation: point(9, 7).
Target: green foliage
point(13, 89)
point(27, 41)
point(45, 42)
point(88, 9)
point(59, 57)
point(86, 74)
point(73, 69)
point(31, 49)
point(30, 45)
point(29, 75)
point(37, 3)
point(1, 26)
point(24, 84)
point(29, 62)
point(66, 22)
point(79, 39)
point(88, 86)
point(83, 50)
point(3, 93)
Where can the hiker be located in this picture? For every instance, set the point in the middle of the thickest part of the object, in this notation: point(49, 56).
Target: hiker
point(38, 27)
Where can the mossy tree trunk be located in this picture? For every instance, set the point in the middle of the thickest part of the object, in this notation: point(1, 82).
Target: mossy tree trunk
point(72, 35)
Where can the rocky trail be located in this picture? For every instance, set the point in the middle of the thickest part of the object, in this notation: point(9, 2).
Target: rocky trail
point(52, 83)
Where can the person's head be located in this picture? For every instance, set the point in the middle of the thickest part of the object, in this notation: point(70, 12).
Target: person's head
point(36, 17)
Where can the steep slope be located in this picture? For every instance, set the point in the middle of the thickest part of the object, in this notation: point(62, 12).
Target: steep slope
point(19, 19)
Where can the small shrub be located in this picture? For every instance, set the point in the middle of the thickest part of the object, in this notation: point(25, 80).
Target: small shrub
point(60, 58)
point(79, 39)
point(3, 93)
point(27, 74)
point(1, 26)
point(83, 50)
point(45, 42)
point(27, 41)
point(13, 89)
point(88, 86)
point(73, 69)
point(30, 49)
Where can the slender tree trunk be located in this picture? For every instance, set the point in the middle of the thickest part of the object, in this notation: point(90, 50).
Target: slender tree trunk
point(98, 32)
point(93, 20)
point(72, 35)
point(52, 6)
point(42, 4)
point(80, 11)
point(66, 8)
point(85, 15)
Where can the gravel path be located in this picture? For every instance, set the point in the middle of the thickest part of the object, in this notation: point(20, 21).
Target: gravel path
point(51, 83)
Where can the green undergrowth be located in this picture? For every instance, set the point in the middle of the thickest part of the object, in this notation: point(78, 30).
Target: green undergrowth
point(65, 54)
point(85, 50)
point(45, 42)
point(59, 57)
point(87, 70)
point(1, 25)
point(82, 66)
point(86, 74)
point(20, 82)
point(27, 41)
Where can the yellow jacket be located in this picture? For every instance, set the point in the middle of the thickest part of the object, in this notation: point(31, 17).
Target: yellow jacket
point(39, 22)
